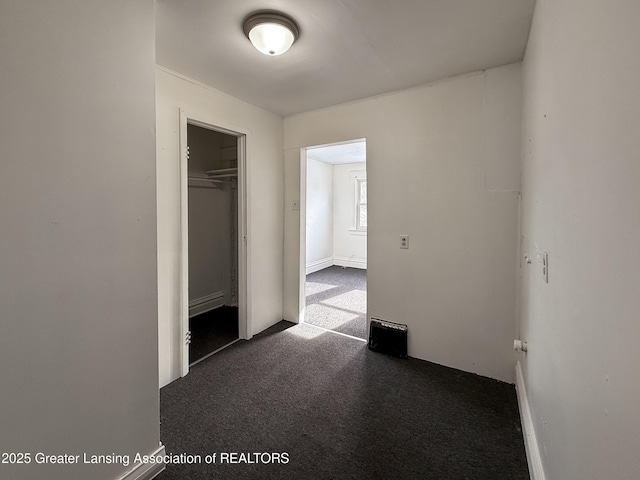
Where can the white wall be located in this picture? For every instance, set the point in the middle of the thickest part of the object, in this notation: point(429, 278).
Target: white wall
point(581, 197)
point(349, 246)
point(319, 215)
point(209, 241)
point(442, 168)
point(265, 190)
point(209, 219)
point(331, 238)
point(78, 293)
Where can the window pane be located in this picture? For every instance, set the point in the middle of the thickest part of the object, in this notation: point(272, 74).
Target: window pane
point(363, 191)
point(362, 218)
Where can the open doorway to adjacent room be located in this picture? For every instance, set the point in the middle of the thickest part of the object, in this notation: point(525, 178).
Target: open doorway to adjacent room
point(334, 212)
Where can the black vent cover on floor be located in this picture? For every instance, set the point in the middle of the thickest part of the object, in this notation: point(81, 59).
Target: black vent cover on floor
point(388, 337)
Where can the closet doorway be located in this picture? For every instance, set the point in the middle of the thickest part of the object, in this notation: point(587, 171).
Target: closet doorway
point(213, 240)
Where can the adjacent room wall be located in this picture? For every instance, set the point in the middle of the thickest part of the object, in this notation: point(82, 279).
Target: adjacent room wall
point(265, 190)
point(319, 215)
point(581, 204)
point(349, 246)
point(78, 300)
point(331, 238)
point(442, 167)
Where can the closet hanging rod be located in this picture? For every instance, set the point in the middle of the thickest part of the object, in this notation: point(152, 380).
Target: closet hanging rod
point(225, 175)
point(206, 187)
point(221, 170)
point(204, 179)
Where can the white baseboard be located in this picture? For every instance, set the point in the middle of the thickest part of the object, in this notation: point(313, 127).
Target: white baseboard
point(350, 262)
point(145, 471)
point(318, 265)
point(536, 472)
point(206, 303)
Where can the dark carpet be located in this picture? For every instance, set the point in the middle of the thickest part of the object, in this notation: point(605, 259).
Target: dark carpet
point(339, 411)
point(212, 330)
point(337, 300)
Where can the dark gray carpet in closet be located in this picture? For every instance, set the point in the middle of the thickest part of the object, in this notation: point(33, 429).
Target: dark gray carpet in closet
point(212, 330)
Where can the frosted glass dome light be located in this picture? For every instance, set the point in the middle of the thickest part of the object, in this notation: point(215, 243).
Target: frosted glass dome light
point(271, 33)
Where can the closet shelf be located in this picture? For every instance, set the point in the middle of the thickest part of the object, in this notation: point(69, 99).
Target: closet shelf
point(222, 173)
point(203, 179)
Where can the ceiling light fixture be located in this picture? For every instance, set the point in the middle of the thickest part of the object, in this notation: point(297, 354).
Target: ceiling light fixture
point(271, 33)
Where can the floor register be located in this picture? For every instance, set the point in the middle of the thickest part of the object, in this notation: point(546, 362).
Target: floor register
point(388, 337)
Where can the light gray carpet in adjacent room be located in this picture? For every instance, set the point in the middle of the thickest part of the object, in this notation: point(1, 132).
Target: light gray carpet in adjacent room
point(337, 300)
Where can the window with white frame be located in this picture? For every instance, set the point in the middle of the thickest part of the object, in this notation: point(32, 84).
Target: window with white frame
point(361, 203)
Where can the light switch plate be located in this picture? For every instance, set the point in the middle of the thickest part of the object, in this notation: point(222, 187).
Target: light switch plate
point(404, 241)
point(545, 266)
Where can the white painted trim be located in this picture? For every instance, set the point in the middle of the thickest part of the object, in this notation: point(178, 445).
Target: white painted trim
point(343, 142)
point(206, 299)
point(245, 256)
point(206, 303)
point(302, 240)
point(350, 262)
point(339, 261)
point(319, 265)
point(146, 471)
point(536, 471)
point(184, 247)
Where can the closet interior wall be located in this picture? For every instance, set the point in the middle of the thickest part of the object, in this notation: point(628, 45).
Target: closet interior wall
point(212, 220)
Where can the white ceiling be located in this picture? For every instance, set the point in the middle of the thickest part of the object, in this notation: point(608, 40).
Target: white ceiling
point(347, 50)
point(339, 153)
